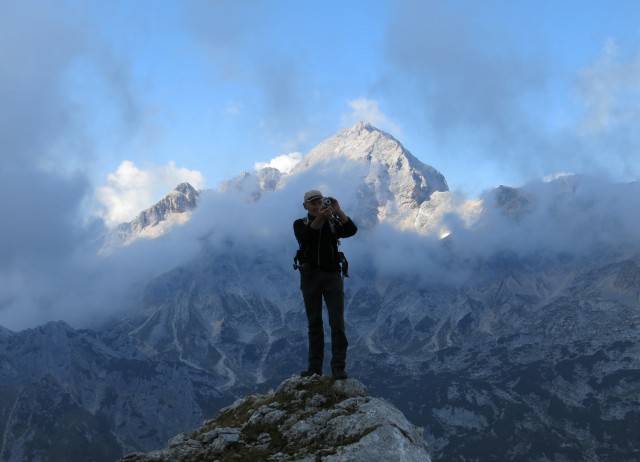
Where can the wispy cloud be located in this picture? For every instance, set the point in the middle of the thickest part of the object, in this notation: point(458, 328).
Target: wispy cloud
point(284, 162)
point(609, 90)
point(479, 98)
point(364, 109)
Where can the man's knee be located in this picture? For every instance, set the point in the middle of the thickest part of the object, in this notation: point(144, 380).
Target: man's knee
point(313, 309)
point(315, 323)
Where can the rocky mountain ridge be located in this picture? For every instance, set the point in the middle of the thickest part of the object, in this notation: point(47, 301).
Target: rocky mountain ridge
point(392, 185)
point(304, 419)
point(515, 337)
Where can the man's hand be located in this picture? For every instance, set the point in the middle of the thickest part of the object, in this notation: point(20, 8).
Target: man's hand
point(337, 211)
point(325, 213)
point(322, 215)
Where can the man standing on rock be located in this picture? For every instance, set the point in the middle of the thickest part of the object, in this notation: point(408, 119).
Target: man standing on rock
point(322, 267)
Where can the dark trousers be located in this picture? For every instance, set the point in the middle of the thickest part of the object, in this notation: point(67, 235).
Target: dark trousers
point(327, 285)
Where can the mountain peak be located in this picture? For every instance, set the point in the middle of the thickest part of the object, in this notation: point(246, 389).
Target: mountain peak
point(365, 126)
point(304, 419)
point(154, 221)
point(186, 188)
point(180, 200)
point(396, 182)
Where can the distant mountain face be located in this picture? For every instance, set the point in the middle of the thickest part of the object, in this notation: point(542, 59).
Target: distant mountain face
point(69, 394)
point(515, 337)
point(173, 209)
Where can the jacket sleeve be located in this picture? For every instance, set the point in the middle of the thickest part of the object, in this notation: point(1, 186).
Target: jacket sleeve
point(347, 229)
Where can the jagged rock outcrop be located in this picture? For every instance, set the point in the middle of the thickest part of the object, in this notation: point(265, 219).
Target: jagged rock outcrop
point(172, 209)
point(305, 419)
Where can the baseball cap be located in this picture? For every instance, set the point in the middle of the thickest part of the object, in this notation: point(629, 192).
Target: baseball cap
point(312, 195)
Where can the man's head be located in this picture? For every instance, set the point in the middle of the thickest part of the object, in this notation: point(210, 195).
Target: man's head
point(312, 195)
point(312, 201)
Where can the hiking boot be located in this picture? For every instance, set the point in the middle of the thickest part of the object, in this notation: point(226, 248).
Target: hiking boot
point(339, 374)
point(310, 372)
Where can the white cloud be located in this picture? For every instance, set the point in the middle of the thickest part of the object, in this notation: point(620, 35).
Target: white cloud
point(609, 89)
point(369, 110)
point(284, 162)
point(131, 189)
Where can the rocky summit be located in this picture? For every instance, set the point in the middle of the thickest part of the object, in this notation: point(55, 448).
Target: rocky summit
point(304, 419)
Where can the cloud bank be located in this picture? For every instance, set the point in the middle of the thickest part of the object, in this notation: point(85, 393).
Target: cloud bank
point(49, 268)
point(568, 216)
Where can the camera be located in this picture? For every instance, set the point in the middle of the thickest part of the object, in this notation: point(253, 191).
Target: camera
point(327, 201)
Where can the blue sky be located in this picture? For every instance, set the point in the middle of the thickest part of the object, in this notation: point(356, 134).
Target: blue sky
point(119, 101)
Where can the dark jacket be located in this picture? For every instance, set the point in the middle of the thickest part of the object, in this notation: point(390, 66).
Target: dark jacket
point(320, 247)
